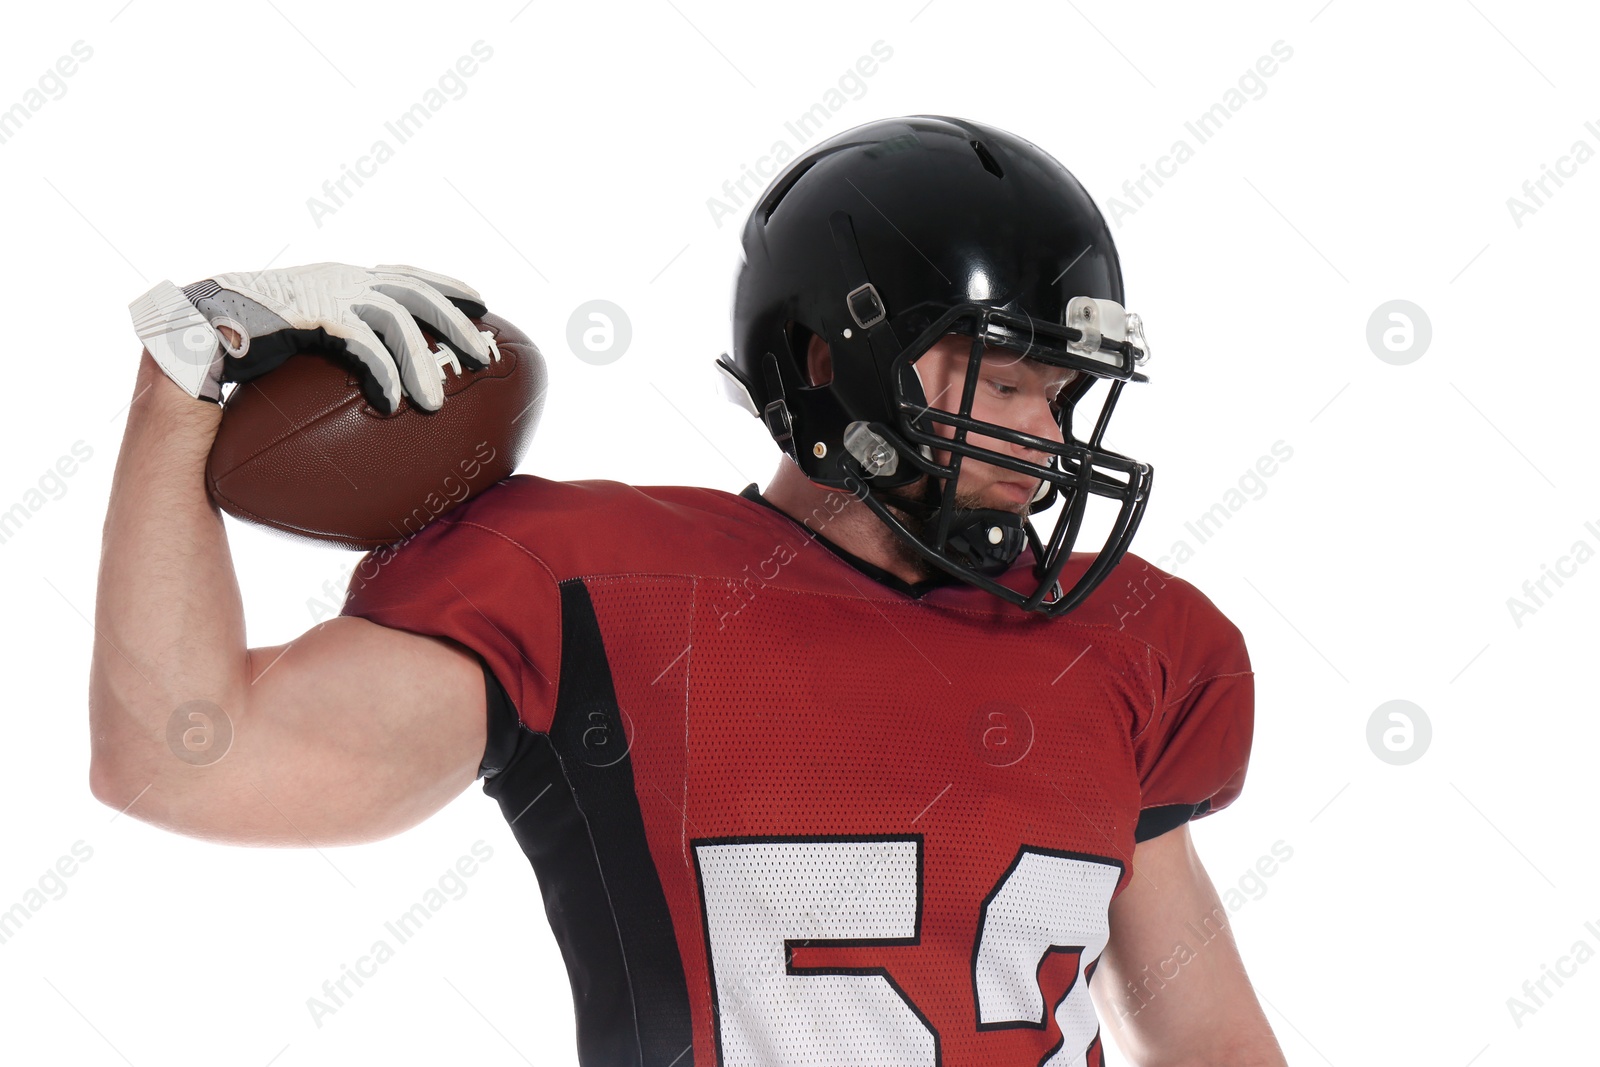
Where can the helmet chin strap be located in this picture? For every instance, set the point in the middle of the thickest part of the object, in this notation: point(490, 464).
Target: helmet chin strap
point(986, 539)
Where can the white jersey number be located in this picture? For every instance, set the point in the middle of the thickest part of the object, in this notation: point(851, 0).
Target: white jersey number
point(762, 897)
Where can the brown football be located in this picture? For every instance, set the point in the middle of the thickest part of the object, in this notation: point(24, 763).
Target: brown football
point(300, 451)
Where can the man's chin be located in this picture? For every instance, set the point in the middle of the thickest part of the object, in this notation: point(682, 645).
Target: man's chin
point(1009, 496)
point(991, 497)
point(930, 492)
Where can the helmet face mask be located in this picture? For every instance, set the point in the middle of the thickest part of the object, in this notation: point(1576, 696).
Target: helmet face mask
point(883, 255)
point(1073, 472)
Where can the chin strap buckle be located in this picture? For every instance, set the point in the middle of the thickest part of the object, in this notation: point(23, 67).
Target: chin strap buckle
point(986, 539)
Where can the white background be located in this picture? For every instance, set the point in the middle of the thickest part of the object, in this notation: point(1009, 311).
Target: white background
point(1375, 565)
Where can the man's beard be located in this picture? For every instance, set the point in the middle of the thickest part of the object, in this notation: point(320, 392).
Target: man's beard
point(929, 492)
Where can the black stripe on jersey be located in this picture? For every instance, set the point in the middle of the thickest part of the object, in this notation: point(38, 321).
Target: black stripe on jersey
point(1153, 822)
point(504, 726)
point(572, 807)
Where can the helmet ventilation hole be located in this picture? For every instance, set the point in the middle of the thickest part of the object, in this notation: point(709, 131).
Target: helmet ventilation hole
point(782, 191)
point(990, 164)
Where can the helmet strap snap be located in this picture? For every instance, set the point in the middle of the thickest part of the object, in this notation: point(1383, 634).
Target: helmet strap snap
point(985, 539)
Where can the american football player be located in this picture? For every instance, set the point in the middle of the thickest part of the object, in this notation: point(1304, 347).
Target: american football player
point(868, 767)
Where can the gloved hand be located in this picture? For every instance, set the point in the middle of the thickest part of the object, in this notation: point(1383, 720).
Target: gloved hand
point(364, 315)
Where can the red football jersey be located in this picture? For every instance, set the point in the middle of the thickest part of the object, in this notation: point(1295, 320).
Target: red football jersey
point(785, 808)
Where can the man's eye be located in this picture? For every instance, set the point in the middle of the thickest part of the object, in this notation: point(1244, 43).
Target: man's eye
point(1002, 388)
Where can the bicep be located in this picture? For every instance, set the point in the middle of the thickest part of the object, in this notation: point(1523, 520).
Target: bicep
point(1171, 980)
point(350, 733)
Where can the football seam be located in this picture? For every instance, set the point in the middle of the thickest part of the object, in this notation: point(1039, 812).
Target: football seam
point(335, 409)
point(289, 527)
point(288, 433)
point(518, 352)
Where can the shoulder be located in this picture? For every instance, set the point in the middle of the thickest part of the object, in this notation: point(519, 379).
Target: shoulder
point(1171, 616)
point(597, 526)
point(525, 500)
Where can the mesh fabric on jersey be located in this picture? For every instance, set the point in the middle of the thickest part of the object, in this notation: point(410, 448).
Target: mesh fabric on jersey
point(784, 808)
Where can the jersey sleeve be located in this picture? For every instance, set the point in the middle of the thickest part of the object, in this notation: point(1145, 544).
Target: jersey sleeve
point(1193, 752)
point(472, 577)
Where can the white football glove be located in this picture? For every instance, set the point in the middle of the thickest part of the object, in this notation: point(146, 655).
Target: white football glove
point(363, 315)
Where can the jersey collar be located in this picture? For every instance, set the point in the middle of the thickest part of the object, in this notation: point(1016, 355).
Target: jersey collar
point(915, 590)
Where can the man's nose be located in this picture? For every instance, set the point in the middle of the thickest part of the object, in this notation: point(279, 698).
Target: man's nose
point(1040, 421)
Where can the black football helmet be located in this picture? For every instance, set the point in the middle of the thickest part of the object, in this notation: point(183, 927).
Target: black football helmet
point(881, 241)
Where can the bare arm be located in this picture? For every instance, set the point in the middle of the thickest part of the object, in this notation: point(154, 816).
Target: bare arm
point(350, 733)
point(1170, 984)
